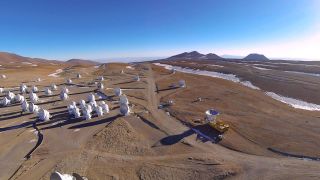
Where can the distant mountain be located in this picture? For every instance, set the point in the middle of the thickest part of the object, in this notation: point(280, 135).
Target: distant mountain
point(6, 58)
point(82, 62)
point(188, 55)
point(213, 56)
point(256, 57)
point(194, 55)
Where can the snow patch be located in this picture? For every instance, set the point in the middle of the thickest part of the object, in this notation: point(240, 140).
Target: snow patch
point(230, 77)
point(129, 67)
point(249, 84)
point(294, 102)
point(56, 73)
point(260, 68)
point(214, 65)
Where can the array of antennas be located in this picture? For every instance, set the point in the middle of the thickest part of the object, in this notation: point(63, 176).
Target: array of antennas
point(86, 110)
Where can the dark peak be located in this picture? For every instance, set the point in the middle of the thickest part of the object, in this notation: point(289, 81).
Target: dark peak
point(256, 57)
point(187, 55)
point(82, 62)
point(195, 53)
point(213, 56)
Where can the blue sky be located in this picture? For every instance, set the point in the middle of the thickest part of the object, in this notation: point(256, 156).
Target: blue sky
point(97, 29)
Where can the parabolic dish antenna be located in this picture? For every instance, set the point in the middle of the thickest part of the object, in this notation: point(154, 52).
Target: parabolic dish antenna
point(124, 109)
point(57, 176)
point(34, 89)
point(136, 78)
point(182, 83)
point(101, 78)
point(100, 86)
point(54, 87)
point(117, 91)
point(47, 92)
point(91, 98)
point(124, 99)
point(211, 115)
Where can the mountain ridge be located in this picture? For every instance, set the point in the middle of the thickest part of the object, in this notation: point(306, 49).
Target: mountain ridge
point(6, 57)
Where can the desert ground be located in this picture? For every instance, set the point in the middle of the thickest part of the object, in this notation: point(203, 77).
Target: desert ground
point(267, 139)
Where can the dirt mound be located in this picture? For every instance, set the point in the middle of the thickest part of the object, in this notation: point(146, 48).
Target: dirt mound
point(120, 138)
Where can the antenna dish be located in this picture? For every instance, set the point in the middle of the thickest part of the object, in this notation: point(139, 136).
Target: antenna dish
point(23, 88)
point(47, 92)
point(39, 79)
point(124, 100)
point(182, 83)
point(79, 76)
point(57, 176)
point(82, 104)
point(19, 98)
point(99, 111)
point(34, 89)
point(65, 90)
point(105, 107)
point(124, 109)
point(10, 95)
point(63, 96)
point(211, 115)
point(33, 108)
point(93, 104)
point(3, 76)
point(136, 78)
point(101, 78)
point(54, 87)
point(89, 108)
point(87, 113)
point(5, 101)
point(100, 86)
point(25, 106)
point(117, 91)
point(33, 97)
point(76, 112)
point(44, 115)
point(69, 81)
point(91, 98)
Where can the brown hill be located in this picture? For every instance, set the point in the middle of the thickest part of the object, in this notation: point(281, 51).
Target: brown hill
point(6, 58)
point(82, 62)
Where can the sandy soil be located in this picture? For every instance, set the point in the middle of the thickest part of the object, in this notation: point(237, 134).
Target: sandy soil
point(150, 144)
